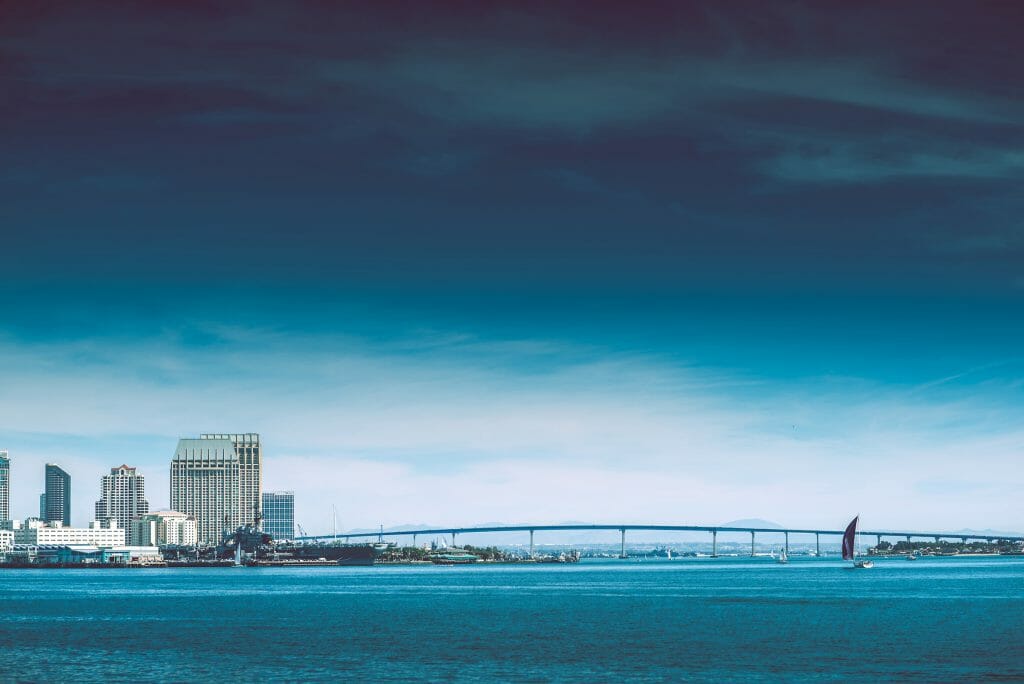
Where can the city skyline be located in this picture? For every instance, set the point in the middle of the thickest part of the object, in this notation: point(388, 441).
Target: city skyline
point(686, 263)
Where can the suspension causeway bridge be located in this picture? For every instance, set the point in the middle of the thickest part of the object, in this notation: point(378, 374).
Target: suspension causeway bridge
point(714, 531)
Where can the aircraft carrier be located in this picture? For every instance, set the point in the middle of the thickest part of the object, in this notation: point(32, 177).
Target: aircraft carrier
point(342, 554)
point(251, 543)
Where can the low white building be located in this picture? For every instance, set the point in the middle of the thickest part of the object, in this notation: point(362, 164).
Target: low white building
point(6, 540)
point(139, 554)
point(164, 528)
point(39, 533)
point(81, 554)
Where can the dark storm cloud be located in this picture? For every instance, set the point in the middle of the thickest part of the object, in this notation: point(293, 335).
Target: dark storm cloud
point(678, 144)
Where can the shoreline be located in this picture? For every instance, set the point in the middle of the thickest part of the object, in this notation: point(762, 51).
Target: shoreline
point(174, 565)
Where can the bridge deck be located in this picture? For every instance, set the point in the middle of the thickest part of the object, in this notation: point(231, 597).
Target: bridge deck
point(662, 528)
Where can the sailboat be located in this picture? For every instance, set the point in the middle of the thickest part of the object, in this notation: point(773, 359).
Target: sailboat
point(783, 558)
point(850, 546)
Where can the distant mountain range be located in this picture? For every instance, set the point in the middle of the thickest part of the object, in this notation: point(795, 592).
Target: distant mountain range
point(987, 532)
point(753, 522)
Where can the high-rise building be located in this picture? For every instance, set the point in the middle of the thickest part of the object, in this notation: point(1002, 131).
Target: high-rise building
point(5, 487)
point(57, 503)
point(250, 472)
point(205, 475)
point(122, 498)
point(279, 514)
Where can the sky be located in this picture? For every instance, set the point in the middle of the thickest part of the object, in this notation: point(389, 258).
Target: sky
point(465, 263)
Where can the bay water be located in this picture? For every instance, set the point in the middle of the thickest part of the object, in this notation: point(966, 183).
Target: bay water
point(738, 619)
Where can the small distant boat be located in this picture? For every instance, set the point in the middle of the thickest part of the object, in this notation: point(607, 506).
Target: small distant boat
point(783, 558)
point(452, 556)
point(850, 546)
point(911, 557)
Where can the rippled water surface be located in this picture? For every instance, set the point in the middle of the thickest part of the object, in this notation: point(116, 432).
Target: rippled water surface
point(726, 619)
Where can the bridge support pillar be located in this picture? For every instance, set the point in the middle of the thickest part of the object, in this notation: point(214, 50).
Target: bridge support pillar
point(622, 546)
point(531, 543)
point(908, 538)
point(787, 543)
point(963, 540)
point(453, 537)
point(414, 540)
point(714, 543)
point(878, 539)
point(817, 545)
point(751, 543)
point(936, 540)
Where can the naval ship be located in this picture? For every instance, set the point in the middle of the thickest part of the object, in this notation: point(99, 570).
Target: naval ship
point(342, 554)
point(249, 541)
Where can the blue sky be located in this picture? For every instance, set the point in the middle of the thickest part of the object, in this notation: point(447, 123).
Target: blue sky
point(536, 262)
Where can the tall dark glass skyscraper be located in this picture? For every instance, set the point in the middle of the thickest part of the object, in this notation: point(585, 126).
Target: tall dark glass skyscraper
point(58, 495)
point(279, 514)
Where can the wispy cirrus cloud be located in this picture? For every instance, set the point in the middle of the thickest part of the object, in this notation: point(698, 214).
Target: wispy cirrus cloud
point(562, 89)
point(885, 158)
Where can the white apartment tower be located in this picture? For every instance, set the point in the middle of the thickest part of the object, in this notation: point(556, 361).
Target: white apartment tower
point(122, 498)
point(250, 472)
point(5, 487)
point(206, 484)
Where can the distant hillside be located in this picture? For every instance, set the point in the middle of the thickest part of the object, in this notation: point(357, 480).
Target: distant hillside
point(988, 532)
point(753, 522)
point(396, 528)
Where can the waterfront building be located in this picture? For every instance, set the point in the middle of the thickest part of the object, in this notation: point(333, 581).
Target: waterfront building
point(5, 487)
point(122, 498)
point(6, 540)
point(250, 471)
point(205, 476)
point(56, 500)
point(279, 514)
point(83, 554)
point(165, 528)
point(39, 532)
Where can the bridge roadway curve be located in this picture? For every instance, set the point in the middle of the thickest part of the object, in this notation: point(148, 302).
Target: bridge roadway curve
point(711, 529)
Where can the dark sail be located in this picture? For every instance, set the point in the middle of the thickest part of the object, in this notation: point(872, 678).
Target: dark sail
point(848, 539)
